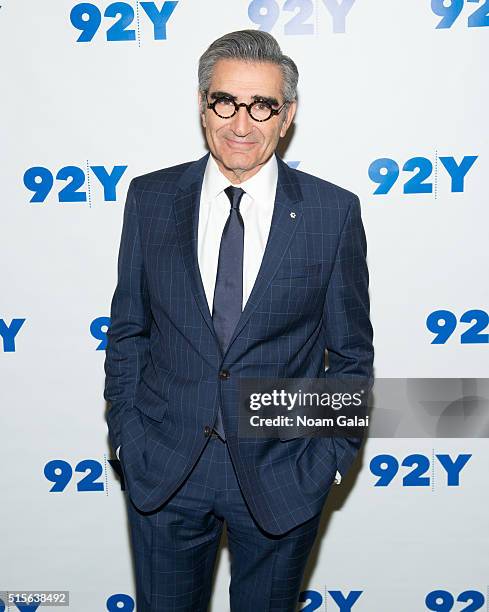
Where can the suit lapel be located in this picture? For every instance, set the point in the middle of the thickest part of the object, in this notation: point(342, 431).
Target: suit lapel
point(287, 215)
point(186, 209)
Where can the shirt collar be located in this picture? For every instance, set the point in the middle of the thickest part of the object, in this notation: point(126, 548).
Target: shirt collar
point(261, 186)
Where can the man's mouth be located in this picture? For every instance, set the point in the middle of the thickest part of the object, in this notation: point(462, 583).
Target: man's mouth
point(239, 144)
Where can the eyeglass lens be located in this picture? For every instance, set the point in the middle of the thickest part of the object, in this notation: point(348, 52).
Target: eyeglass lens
point(259, 110)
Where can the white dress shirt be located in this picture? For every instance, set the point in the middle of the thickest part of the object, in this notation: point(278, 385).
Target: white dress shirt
point(256, 208)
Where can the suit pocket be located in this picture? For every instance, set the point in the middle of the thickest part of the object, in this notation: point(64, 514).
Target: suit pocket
point(286, 273)
point(150, 403)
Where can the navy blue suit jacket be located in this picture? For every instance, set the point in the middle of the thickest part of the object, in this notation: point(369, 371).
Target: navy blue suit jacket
point(163, 357)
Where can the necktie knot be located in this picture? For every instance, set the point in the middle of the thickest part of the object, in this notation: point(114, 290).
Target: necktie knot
point(234, 194)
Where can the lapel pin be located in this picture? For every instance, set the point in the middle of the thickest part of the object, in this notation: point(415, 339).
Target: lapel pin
point(293, 215)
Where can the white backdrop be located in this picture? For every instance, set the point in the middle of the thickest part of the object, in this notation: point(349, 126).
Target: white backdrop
point(391, 85)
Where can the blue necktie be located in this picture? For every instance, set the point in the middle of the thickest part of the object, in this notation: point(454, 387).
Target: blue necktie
point(228, 292)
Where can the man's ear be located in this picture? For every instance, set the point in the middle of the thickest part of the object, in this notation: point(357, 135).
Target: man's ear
point(289, 116)
point(202, 114)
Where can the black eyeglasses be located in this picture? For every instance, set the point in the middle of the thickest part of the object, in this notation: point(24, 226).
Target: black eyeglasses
point(260, 110)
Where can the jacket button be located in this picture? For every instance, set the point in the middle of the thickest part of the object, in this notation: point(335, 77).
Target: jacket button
point(207, 431)
point(224, 374)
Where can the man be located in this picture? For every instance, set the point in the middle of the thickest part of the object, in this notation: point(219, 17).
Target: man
point(231, 266)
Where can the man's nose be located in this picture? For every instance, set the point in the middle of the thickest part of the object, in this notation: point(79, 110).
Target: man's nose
point(242, 122)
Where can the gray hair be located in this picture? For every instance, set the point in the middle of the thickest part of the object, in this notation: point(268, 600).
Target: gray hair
point(251, 46)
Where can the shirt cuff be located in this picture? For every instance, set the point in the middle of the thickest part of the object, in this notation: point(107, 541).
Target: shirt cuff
point(337, 478)
point(117, 451)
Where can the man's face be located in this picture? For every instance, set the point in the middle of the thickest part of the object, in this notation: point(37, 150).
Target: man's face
point(240, 144)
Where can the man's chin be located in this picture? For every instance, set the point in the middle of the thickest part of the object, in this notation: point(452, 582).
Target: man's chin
point(239, 162)
point(240, 158)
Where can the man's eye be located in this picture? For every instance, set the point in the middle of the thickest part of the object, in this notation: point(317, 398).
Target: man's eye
point(262, 106)
point(226, 101)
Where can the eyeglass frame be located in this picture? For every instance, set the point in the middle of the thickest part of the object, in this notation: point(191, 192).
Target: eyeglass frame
point(273, 111)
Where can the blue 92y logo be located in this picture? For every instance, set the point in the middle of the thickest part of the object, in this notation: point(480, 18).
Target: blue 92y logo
point(443, 601)
point(118, 18)
point(300, 16)
point(61, 474)
point(442, 324)
point(40, 181)
point(385, 172)
point(8, 333)
point(342, 602)
point(449, 11)
point(98, 330)
point(386, 468)
point(120, 602)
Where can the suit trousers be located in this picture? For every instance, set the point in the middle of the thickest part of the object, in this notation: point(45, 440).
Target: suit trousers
point(175, 546)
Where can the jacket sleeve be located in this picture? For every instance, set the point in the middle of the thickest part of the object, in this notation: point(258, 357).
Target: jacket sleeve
point(346, 320)
point(130, 321)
